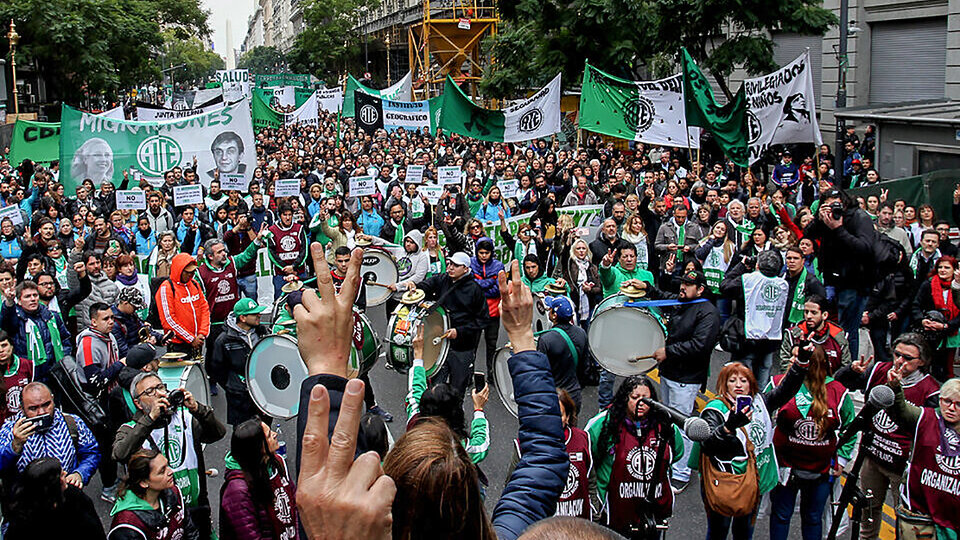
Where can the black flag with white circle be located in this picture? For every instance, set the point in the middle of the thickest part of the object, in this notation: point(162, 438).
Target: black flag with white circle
point(369, 112)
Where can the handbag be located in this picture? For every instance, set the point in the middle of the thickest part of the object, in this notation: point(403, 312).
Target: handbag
point(730, 494)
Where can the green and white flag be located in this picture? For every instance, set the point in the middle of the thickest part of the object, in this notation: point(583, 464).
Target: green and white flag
point(101, 148)
point(401, 91)
point(781, 107)
point(36, 141)
point(533, 118)
point(263, 116)
point(728, 123)
point(644, 111)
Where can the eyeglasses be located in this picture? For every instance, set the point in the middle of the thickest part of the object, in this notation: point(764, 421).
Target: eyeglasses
point(947, 403)
point(906, 357)
point(153, 390)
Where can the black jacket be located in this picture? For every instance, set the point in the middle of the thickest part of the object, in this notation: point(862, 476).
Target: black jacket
point(228, 363)
point(691, 336)
point(464, 303)
point(409, 224)
point(75, 517)
point(846, 253)
point(562, 362)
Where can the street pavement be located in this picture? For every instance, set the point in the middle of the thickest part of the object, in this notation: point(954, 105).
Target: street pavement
point(689, 519)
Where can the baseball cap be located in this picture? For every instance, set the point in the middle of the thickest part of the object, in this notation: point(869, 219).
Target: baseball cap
point(460, 259)
point(561, 305)
point(140, 355)
point(694, 277)
point(856, 161)
point(132, 296)
point(247, 306)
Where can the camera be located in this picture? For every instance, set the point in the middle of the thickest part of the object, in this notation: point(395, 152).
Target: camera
point(836, 209)
point(175, 399)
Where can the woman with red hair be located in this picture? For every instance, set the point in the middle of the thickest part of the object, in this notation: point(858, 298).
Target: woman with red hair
point(937, 307)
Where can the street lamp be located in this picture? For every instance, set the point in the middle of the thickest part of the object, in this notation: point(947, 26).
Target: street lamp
point(387, 39)
point(14, 38)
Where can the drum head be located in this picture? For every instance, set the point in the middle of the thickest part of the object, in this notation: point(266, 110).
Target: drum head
point(365, 347)
point(378, 266)
point(274, 374)
point(501, 376)
point(619, 335)
point(541, 315)
point(190, 377)
point(434, 326)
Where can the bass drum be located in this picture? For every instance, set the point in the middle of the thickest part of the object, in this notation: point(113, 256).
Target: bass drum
point(187, 375)
point(274, 374)
point(378, 266)
point(623, 338)
point(405, 321)
point(503, 380)
point(365, 348)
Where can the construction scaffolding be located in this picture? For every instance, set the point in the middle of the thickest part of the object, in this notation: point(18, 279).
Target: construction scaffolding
point(447, 42)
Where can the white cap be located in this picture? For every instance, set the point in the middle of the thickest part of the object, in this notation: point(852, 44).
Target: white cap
point(460, 259)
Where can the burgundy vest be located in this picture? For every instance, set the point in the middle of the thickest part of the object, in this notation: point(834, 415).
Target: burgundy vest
point(284, 511)
point(288, 244)
point(174, 525)
point(631, 476)
point(222, 289)
point(13, 385)
point(798, 441)
point(575, 499)
point(891, 443)
point(933, 481)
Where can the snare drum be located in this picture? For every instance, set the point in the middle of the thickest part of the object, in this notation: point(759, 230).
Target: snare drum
point(379, 266)
point(623, 338)
point(407, 319)
point(274, 374)
point(187, 375)
point(365, 348)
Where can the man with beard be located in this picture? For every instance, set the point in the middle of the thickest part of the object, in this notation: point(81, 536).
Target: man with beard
point(60, 300)
point(816, 328)
point(885, 225)
point(37, 333)
point(692, 333)
point(607, 239)
point(160, 218)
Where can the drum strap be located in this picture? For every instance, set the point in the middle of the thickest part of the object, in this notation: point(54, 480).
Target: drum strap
point(662, 303)
point(566, 338)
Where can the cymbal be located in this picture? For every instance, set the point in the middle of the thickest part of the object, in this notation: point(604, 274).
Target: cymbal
point(363, 242)
point(553, 288)
point(173, 356)
point(631, 291)
point(292, 286)
point(413, 297)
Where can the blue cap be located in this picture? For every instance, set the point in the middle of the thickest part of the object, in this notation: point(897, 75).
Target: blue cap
point(561, 305)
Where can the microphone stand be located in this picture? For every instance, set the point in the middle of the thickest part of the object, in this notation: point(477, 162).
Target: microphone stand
point(852, 494)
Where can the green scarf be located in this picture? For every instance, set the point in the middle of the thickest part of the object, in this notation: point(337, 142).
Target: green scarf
point(36, 351)
point(799, 298)
point(399, 234)
point(681, 238)
point(915, 259)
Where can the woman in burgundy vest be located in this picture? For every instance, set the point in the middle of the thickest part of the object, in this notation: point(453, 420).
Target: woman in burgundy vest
point(257, 499)
point(149, 504)
point(931, 487)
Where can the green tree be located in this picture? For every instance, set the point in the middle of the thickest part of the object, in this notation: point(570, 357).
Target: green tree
point(330, 42)
point(262, 60)
point(640, 38)
point(199, 62)
point(97, 46)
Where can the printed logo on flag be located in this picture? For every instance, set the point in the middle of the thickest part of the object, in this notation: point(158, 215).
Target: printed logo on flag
point(531, 120)
point(158, 154)
point(754, 127)
point(369, 114)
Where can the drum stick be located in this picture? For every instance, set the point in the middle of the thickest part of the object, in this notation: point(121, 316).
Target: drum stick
point(637, 359)
point(375, 284)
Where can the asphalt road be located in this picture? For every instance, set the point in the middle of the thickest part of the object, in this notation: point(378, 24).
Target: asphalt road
point(390, 387)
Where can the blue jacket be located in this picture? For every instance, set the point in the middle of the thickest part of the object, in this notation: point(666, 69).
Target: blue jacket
point(486, 276)
point(182, 230)
point(13, 320)
point(536, 483)
point(491, 212)
point(371, 223)
point(144, 245)
point(57, 443)
point(11, 249)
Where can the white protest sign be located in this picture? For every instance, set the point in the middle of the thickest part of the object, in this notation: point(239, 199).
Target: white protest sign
point(133, 199)
point(508, 188)
point(137, 176)
point(448, 175)
point(187, 195)
point(234, 182)
point(235, 82)
point(13, 213)
point(362, 185)
point(415, 174)
point(287, 187)
point(432, 193)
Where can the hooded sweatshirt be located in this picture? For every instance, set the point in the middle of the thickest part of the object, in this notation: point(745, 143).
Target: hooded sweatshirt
point(410, 266)
point(182, 306)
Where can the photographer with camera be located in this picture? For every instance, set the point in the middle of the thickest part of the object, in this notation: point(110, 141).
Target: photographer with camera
point(174, 424)
point(847, 259)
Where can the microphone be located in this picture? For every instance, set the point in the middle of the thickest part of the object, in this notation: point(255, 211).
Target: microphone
point(881, 397)
point(694, 427)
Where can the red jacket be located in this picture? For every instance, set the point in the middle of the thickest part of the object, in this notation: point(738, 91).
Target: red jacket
point(182, 306)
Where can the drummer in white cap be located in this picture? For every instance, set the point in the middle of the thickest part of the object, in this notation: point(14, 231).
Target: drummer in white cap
point(228, 363)
point(565, 345)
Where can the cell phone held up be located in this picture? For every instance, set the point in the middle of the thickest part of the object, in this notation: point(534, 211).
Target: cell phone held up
point(42, 422)
point(744, 402)
point(479, 380)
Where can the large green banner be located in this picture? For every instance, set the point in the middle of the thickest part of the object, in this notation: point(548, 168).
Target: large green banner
point(36, 141)
point(283, 79)
point(101, 148)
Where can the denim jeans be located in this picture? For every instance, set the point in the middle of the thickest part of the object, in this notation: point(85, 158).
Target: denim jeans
point(813, 500)
point(682, 397)
point(849, 313)
point(249, 286)
point(718, 526)
point(758, 356)
point(605, 388)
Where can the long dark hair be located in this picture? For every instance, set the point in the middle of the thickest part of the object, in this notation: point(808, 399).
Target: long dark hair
point(610, 433)
point(37, 492)
point(442, 401)
point(248, 445)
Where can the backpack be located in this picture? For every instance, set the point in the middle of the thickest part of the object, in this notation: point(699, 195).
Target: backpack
point(887, 254)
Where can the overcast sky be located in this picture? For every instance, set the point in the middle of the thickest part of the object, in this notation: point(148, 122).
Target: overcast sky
point(237, 11)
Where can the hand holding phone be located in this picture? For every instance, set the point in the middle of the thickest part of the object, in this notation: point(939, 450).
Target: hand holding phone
point(479, 380)
point(744, 402)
